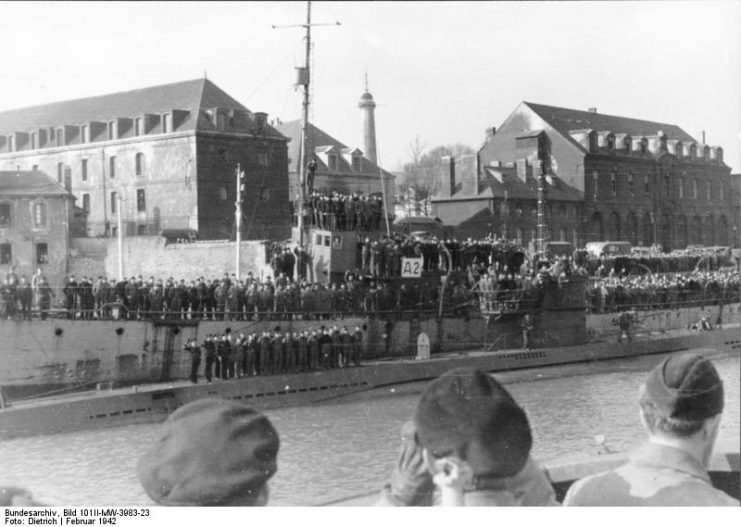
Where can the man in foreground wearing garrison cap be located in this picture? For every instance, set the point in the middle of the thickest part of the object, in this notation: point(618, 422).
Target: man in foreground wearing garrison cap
point(681, 404)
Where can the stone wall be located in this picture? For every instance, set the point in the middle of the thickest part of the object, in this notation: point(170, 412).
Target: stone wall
point(149, 256)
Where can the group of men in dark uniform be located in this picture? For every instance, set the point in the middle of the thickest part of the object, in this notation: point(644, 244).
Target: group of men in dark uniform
point(343, 212)
point(276, 352)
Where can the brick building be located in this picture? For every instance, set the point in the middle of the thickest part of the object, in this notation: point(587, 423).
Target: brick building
point(610, 178)
point(35, 217)
point(166, 155)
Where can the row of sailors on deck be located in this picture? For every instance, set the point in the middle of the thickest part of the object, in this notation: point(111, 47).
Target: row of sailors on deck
point(270, 353)
point(468, 444)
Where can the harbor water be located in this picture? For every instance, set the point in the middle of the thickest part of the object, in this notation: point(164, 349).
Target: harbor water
point(347, 447)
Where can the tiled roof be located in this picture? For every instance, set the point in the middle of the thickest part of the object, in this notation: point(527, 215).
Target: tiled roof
point(320, 139)
point(565, 120)
point(26, 183)
point(193, 96)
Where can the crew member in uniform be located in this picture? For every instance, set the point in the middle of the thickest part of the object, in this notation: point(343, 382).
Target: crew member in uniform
point(195, 359)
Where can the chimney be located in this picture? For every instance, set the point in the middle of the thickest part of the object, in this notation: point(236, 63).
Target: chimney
point(592, 110)
point(447, 177)
point(490, 132)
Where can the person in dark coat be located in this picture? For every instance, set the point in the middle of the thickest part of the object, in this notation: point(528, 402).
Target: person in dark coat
point(357, 341)
point(210, 353)
point(192, 347)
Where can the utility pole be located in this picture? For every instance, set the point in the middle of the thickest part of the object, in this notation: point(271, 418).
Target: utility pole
point(303, 79)
point(238, 216)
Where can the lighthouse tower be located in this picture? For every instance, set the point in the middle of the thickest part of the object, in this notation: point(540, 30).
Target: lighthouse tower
point(367, 106)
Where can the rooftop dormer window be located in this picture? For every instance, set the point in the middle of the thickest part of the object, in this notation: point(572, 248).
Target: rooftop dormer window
point(356, 163)
point(167, 123)
point(139, 126)
point(332, 161)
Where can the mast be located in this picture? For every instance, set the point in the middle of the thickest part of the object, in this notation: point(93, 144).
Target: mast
point(304, 80)
point(542, 220)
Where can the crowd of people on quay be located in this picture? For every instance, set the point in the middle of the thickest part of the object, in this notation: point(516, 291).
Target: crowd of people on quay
point(495, 268)
point(467, 443)
point(619, 291)
point(269, 353)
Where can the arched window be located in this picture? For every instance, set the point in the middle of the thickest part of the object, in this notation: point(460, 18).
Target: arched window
point(681, 231)
point(631, 228)
point(631, 185)
point(709, 230)
point(708, 190)
point(39, 214)
point(681, 187)
point(696, 234)
point(648, 230)
point(615, 226)
point(562, 234)
point(597, 232)
point(694, 188)
point(723, 231)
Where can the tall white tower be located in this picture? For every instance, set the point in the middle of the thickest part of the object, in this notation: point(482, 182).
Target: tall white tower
point(367, 106)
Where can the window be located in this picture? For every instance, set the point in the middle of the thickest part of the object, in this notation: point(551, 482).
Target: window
point(356, 163)
point(681, 188)
point(722, 190)
point(83, 169)
point(613, 182)
point(6, 254)
point(562, 210)
point(111, 130)
point(631, 185)
point(223, 193)
point(166, 123)
point(5, 216)
point(220, 121)
point(708, 190)
point(60, 137)
point(222, 154)
point(694, 189)
point(39, 214)
point(264, 194)
point(610, 146)
point(667, 186)
point(112, 166)
point(114, 202)
point(42, 253)
point(60, 172)
point(86, 203)
point(595, 183)
point(141, 230)
point(139, 164)
point(332, 161)
point(138, 126)
point(35, 168)
point(647, 186)
point(84, 134)
point(262, 159)
point(141, 202)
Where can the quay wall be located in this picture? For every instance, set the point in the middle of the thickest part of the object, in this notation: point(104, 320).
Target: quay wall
point(61, 352)
point(150, 256)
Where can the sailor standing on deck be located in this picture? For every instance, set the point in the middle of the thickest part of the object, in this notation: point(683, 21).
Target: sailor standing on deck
point(191, 346)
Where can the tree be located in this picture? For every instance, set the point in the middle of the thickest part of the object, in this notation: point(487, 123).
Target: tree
point(420, 178)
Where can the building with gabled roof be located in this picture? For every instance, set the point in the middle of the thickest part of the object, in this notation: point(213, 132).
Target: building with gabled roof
point(615, 178)
point(36, 213)
point(166, 155)
point(338, 167)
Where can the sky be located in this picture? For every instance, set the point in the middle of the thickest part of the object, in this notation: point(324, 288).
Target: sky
point(442, 72)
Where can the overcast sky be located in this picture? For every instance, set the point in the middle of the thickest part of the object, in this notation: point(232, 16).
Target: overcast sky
point(443, 71)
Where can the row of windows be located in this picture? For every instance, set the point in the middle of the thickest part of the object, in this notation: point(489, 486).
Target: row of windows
point(666, 190)
point(64, 170)
point(39, 215)
point(61, 136)
point(41, 256)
